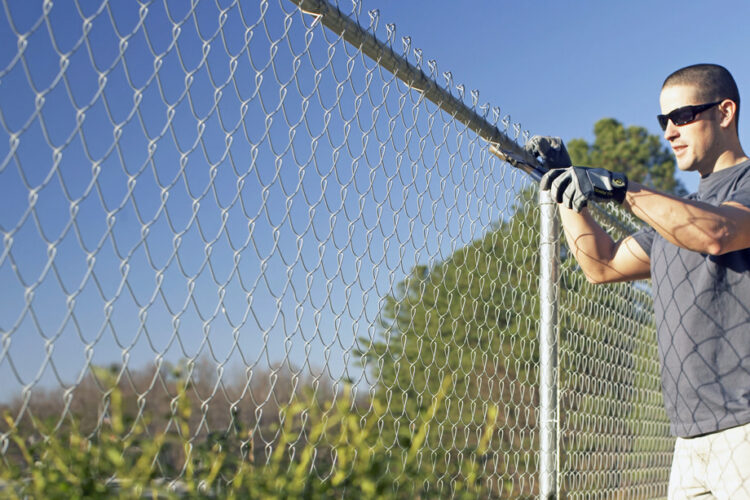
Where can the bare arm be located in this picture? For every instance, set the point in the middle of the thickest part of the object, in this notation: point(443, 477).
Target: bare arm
point(689, 224)
point(602, 259)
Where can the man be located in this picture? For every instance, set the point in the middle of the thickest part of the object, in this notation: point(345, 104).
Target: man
point(696, 250)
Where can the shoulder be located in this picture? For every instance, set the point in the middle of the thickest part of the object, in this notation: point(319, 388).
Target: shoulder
point(739, 184)
point(740, 171)
point(730, 184)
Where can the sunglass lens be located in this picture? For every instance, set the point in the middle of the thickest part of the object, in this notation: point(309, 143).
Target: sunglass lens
point(663, 119)
point(682, 116)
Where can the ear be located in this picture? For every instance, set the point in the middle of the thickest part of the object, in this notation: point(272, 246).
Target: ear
point(728, 110)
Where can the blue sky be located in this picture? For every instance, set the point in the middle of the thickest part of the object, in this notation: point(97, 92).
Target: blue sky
point(183, 218)
point(558, 67)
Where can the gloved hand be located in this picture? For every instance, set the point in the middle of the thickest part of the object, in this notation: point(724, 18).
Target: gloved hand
point(574, 187)
point(550, 150)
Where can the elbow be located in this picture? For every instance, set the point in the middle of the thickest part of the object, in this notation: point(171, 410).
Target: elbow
point(595, 276)
point(719, 248)
point(716, 244)
point(595, 280)
point(715, 248)
point(705, 242)
point(603, 274)
point(716, 240)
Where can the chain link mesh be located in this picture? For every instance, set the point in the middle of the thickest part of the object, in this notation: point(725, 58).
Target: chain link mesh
point(228, 206)
point(614, 432)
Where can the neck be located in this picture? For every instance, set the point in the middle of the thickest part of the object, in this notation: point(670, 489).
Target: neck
point(729, 158)
point(727, 153)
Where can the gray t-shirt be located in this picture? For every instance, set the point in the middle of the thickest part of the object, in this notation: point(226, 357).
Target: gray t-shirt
point(702, 310)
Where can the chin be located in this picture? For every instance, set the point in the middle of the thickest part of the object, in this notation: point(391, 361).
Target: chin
point(687, 164)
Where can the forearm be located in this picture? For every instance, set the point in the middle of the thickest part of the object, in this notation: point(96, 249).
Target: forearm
point(688, 224)
point(692, 225)
point(602, 259)
point(586, 239)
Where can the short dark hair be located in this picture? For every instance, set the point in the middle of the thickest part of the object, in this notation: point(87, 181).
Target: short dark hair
point(714, 83)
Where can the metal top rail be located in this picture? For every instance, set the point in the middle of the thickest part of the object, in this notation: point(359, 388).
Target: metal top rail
point(352, 32)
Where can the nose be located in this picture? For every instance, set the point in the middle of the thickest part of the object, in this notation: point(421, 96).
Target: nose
point(671, 132)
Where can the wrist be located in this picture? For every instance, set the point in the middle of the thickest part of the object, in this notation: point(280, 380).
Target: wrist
point(620, 186)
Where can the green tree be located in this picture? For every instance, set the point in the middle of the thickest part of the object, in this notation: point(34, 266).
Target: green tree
point(607, 385)
point(471, 316)
point(475, 314)
point(631, 150)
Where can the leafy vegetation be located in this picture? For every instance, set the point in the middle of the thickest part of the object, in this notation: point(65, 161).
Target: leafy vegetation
point(320, 452)
point(475, 315)
point(452, 411)
point(631, 150)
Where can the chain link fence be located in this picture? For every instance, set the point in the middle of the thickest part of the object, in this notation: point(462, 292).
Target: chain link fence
point(614, 432)
point(265, 231)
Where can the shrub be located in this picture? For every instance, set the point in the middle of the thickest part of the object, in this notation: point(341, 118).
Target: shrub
point(325, 451)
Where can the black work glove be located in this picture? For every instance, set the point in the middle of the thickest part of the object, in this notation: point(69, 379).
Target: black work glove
point(550, 150)
point(574, 187)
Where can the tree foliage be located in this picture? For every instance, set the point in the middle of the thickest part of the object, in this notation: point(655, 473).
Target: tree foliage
point(630, 150)
point(318, 452)
point(472, 316)
point(454, 404)
point(475, 315)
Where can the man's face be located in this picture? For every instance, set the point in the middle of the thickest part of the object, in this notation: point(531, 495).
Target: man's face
point(694, 144)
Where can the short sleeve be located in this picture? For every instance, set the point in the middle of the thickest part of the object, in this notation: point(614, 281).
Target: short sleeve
point(741, 192)
point(645, 238)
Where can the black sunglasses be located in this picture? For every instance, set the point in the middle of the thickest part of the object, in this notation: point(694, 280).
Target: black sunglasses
point(684, 115)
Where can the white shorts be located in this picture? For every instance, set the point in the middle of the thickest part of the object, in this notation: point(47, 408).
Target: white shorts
point(716, 465)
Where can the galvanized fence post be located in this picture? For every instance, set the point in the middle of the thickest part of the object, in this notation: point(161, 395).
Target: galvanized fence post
point(549, 273)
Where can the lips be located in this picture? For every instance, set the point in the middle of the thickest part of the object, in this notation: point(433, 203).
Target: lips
point(678, 148)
